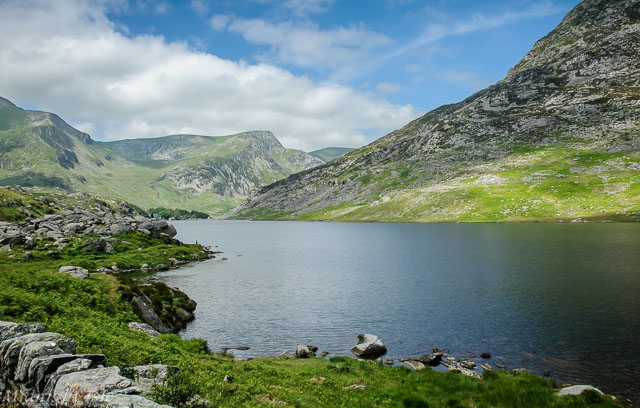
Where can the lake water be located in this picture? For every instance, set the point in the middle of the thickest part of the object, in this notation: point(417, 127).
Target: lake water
point(557, 297)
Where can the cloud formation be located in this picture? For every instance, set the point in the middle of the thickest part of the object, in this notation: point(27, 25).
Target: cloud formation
point(67, 57)
point(306, 45)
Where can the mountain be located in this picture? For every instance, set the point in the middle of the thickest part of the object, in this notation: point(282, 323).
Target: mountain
point(330, 153)
point(209, 174)
point(558, 138)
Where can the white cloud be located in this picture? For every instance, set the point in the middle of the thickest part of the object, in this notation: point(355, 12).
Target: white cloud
point(162, 8)
point(340, 49)
point(219, 22)
point(199, 6)
point(67, 57)
point(305, 7)
point(388, 87)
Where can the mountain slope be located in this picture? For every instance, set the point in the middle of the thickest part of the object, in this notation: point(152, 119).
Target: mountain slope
point(330, 153)
point(557, 138)
point(210, 174)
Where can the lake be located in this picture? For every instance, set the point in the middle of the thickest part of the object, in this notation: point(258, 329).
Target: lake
point(557, 297)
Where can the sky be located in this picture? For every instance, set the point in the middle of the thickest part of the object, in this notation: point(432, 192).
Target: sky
point(316, 73)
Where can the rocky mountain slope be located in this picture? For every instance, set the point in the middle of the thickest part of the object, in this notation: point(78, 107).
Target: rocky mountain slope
point(557, 138)
point(210, 174)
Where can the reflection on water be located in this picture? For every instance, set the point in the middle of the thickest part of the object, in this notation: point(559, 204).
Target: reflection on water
point(552, 297)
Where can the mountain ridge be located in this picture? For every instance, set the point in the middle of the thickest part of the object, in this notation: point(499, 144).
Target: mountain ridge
point(192, 172)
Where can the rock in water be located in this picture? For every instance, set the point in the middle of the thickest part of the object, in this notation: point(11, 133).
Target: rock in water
point(75, 272)
point(369, 346)
point(304, 352)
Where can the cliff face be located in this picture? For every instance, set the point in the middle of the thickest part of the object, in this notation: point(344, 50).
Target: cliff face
point(210, 174)
point(558, 137)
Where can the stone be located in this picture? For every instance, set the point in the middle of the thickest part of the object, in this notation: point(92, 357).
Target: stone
point(486, 367)
point(369, 346)
point(485, 355)
point(170, 230)
point(356, 387)
point(324, 353)
point(27, 255)
point(42, 368)
point(389, 361)
point(146, 376)
point(160, 224)
point(74, 388)
point(161, 267)
point(312, 348)
point(10, 330)
point(414, 365)
point(518, 371)
point(5, 248)
point(145, 328)
point(75, 272)
point(29, 244)
point(304, 352)
point(432, 359)
point(10, 348)
point(97, 245)
point(456, 367)
point(470, 365)
point(318, 380)
point(150, 316)
point(577, 390)
point(32, 351)
point(119, 229)
point(12, 239)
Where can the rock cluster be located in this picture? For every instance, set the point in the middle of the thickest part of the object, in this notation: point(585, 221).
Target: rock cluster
point(40, 369)
point(60, 227)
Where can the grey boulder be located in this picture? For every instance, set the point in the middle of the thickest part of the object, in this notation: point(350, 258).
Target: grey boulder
point(304, 352)
point(75, 272)
point(144, 328)
point(369, 346)
point(577, 390)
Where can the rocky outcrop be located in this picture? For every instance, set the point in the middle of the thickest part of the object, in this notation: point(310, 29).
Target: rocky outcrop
point(75, 272)
point(577, 390)
point(40, 369)
point(369, 346)
point(304, 352)
point(55, 230)
point(165, 309)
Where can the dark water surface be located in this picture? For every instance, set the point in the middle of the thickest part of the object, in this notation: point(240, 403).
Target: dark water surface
point(558, 297)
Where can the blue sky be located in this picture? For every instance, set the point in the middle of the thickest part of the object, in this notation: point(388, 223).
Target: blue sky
point(315, 72)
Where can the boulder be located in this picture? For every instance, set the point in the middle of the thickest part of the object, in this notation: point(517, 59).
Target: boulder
point(415, 365)
point(10, 349)
point(369, 346)
point(577, 390)
point(41, 368)
point(10, 330)
point(145, 328)
point(150, 316)
point(170, 230)
point(32, 351)
point(27, 255)
point(304, 352)
point(97, 245)
point(29, 244)
point(122, 401)
point(75, 272)
point(119, 229)
point(12, 239)
point(73, 389)
point(146, 376)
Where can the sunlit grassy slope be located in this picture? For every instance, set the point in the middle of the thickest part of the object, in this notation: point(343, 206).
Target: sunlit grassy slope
point(568, 181)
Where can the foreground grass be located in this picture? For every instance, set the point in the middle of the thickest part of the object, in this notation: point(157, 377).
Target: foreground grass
point(95, 314)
